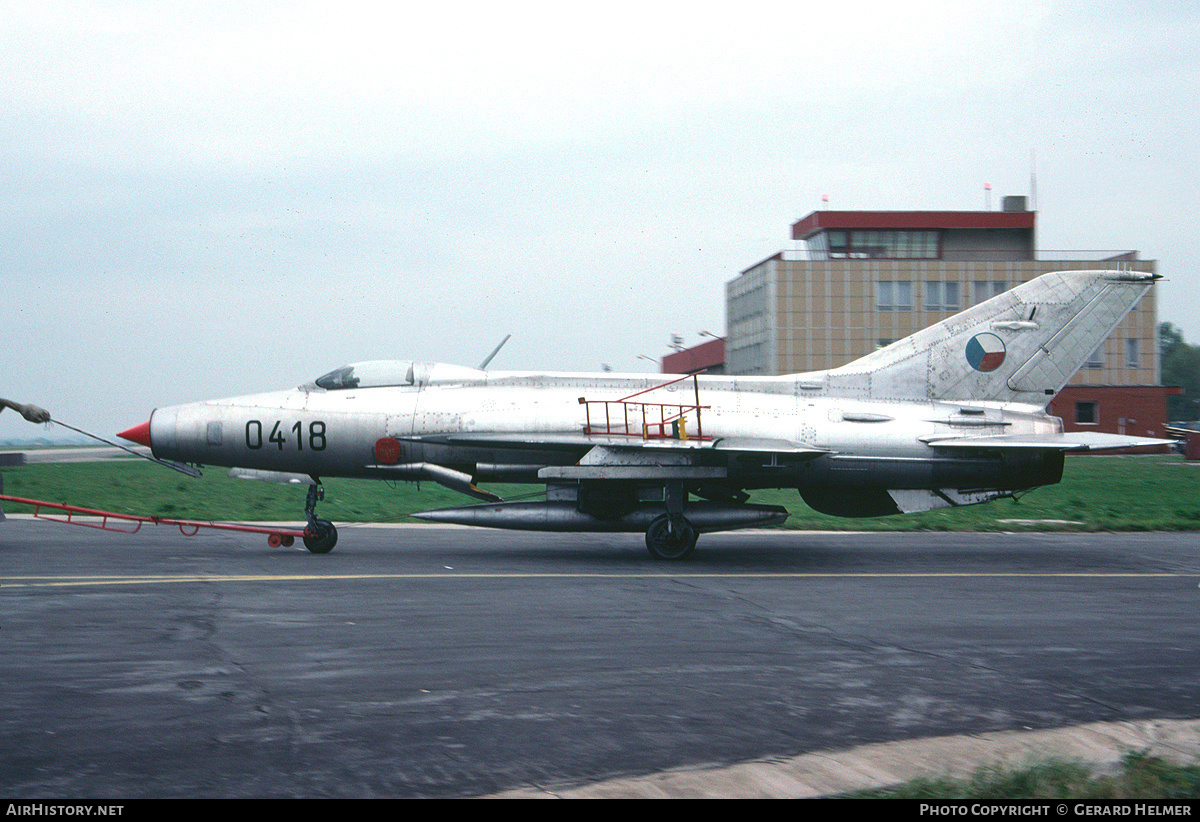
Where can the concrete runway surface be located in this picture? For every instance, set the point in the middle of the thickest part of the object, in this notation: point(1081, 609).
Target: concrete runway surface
point(426, 661)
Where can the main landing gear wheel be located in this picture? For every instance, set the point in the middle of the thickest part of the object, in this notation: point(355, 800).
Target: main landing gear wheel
point(320, 536)
point(667, 539)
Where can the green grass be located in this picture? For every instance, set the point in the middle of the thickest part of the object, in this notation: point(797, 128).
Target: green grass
point(1113, 493)
point(1140, 776)
point(1154, 492)
point(131, 486)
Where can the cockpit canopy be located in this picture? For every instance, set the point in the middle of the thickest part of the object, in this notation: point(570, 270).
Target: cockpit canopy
point(391, 373)
point(373, 374)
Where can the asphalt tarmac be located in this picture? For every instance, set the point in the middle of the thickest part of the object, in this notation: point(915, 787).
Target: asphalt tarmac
point(435, 661)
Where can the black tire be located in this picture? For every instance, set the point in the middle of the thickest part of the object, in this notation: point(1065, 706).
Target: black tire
point(320, 537)
point(668, 544)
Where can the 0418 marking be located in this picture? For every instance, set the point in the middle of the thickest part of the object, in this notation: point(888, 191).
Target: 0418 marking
point(279, 435)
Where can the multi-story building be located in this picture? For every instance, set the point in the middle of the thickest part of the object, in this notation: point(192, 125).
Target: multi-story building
point(864, 279)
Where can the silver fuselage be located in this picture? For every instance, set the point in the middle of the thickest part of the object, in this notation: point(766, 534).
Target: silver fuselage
point(334, 433)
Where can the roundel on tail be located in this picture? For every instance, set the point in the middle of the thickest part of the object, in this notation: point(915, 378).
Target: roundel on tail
point(985, 352)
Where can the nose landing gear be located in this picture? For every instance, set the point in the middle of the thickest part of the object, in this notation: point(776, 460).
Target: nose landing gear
point(320, 535)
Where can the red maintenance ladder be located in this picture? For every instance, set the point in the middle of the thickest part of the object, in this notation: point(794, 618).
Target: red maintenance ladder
point(648, 420)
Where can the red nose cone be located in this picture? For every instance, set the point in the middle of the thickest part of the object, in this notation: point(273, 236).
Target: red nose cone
point(139, 434)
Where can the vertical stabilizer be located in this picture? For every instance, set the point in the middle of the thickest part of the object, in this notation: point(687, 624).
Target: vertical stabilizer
point(1021, 346)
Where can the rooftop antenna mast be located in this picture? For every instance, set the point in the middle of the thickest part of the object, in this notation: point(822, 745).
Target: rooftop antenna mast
point(1032, 180)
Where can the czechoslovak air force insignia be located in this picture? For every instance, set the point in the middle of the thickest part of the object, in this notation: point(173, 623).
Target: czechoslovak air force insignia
point(985, 352)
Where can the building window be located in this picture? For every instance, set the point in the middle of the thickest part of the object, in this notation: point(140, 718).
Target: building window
point(941, 296)
point(1096, 359)
point(1132, 360)
point(893, 295)
point(1086, 413)
point(984, 290)
point(885, 245)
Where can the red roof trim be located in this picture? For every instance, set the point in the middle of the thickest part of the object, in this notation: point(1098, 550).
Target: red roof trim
point(914, 220)
point(704, 355)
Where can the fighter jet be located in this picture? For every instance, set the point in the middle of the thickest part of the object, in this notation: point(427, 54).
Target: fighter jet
point(952, 415)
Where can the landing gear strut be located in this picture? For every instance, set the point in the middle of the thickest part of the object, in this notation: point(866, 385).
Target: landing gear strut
point(320, 535)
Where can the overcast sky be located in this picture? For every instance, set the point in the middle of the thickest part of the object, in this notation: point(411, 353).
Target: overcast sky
point(238, 196)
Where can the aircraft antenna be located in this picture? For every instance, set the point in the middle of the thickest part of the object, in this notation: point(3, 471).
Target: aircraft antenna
point(483, 365)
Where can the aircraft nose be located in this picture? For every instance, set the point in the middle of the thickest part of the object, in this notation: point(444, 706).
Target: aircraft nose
point(139, 434)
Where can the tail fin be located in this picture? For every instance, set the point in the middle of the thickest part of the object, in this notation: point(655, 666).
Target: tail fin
point(1021, 346)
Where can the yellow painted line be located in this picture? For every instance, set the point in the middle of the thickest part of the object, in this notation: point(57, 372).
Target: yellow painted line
point(54, 581)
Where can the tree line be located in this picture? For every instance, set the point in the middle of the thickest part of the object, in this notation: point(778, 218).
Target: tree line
point(1180, 365)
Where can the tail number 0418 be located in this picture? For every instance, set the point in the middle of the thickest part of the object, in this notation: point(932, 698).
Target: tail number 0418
point(280, 435)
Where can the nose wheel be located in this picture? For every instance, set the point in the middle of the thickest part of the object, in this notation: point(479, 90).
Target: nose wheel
point(320, 535)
